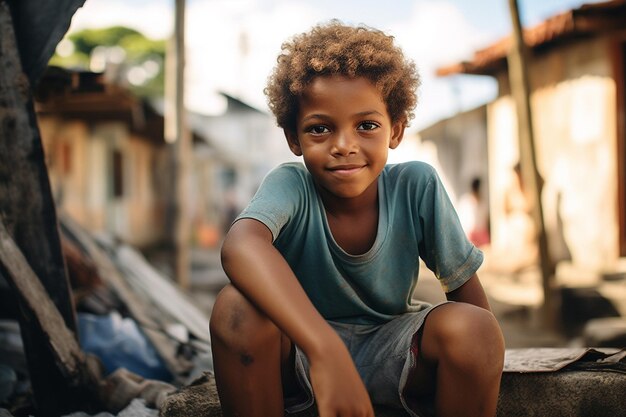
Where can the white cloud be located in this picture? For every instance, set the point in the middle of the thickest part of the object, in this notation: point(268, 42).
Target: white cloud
point(436, 34)
point(153, 19)
point(217, 59)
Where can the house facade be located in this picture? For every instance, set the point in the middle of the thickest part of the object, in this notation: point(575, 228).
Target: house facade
point(577, 70)
point(105, 154)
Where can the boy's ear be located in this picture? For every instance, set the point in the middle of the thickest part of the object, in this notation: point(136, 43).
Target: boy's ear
point(397, 134)
point(292, 141)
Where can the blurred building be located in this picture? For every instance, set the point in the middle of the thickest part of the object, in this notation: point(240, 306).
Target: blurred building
point(242, 145)
point(106, 155)
point(461, 144)
point(110, 166)
point(577, 74)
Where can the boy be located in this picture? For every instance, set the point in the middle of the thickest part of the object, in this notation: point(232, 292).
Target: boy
point(324, 260)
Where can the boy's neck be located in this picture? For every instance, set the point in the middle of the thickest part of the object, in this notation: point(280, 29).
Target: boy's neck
point(348, 207)
point(354, 222)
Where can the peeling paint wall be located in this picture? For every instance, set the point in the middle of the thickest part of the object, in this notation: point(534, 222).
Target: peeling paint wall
point(574, 114)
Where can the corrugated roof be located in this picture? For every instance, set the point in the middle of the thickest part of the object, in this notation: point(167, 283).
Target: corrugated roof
point(585, 20)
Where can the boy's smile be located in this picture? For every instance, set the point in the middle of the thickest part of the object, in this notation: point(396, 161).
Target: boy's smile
point(344, 132)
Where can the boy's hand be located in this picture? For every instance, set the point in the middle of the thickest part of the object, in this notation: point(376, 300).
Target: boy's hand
point(338, 388)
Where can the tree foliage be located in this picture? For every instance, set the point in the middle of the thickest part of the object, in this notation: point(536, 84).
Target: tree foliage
point(138, 52)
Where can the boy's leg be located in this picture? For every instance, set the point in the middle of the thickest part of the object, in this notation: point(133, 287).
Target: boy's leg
point(252, 358)
point(460, 360)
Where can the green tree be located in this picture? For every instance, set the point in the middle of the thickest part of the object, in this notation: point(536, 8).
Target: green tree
point(138, 60)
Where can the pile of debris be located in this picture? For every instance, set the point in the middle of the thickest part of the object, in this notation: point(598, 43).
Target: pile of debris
point(140, 337)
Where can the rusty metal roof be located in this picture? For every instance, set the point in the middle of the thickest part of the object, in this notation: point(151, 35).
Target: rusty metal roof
point(586, 20)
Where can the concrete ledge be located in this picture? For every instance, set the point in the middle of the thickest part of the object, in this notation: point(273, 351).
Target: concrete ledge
point(564, 393)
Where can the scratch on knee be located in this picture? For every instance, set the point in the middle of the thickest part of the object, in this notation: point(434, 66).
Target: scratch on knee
point(236, 319)
point(246, 359)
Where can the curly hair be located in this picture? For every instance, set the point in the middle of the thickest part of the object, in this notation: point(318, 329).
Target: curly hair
point(338, 49)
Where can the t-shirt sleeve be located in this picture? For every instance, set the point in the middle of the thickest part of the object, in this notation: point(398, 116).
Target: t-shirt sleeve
point(276, 200)
point(445, 248)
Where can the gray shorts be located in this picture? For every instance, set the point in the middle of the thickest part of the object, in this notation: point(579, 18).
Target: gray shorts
point(382, 355)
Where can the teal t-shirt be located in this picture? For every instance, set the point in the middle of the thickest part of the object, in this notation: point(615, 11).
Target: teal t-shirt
point(416, 219)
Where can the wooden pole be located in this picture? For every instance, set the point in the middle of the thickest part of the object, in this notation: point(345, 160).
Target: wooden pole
point(520, 89)
point(177, 135)
point(62, 341)
point(29, 215)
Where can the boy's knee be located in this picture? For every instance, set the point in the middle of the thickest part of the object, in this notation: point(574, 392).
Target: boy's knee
point(486, 336)
point(469, 336)
point(229, 309)
point(235, 321)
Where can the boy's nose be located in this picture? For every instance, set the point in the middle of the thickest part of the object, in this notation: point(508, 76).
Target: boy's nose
point(344, 144)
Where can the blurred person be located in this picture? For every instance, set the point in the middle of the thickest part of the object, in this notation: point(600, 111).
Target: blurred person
point(520, 248)
point(231, 209)
point(324, 259)
point(474, 214)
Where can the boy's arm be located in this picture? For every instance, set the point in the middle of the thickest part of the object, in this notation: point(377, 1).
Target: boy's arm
point(260, 272)
point(471, 292)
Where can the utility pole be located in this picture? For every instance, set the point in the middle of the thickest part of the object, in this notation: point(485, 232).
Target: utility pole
point(520, 89)
point(179, 139)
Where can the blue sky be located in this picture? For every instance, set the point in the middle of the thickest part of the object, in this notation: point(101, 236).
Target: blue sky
point(432, 32)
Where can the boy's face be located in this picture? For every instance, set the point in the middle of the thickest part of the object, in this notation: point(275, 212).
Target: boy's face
point(344, 133)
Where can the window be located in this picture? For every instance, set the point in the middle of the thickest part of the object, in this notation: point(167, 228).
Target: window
point(66, 159)
point(118, 174)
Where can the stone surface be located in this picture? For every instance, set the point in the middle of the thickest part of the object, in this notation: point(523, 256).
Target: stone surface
point(588, 393)
point(565, 393)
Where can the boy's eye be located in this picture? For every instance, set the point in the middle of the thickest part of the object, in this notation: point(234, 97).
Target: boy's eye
point(318, 130)
point(368, 126)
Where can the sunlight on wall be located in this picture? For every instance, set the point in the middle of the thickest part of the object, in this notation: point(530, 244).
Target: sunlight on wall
point(575, 132)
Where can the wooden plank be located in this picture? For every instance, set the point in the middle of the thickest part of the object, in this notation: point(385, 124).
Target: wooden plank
point(29, 216)
point(26, 204)
point(62, 341)
point(114, 393)
point(161, 292)
point(178, 135)
point(520, 89)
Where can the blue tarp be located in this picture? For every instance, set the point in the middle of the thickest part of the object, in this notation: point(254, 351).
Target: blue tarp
point(119, 343)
